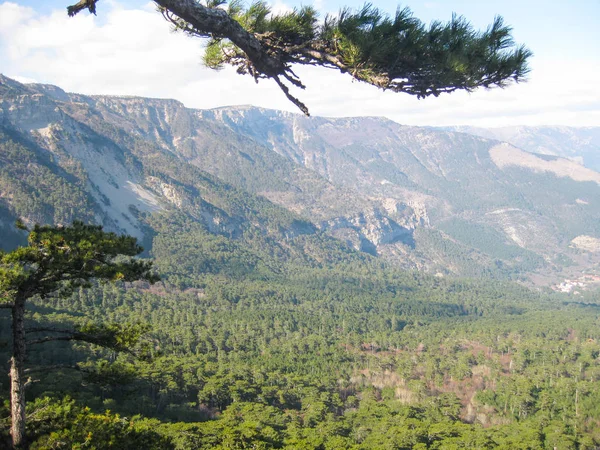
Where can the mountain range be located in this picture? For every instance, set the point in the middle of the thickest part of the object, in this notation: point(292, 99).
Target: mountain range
point(507, 203)
point(579, 144)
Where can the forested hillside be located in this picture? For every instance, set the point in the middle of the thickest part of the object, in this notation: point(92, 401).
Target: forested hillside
point(285, 317)
point(278, 353)
point(437, 201)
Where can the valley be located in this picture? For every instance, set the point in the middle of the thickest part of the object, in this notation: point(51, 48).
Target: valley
point(419, 198)
point(325, 283)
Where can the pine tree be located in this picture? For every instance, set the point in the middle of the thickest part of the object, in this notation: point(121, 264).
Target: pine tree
point(397, 53)
point(56, 261)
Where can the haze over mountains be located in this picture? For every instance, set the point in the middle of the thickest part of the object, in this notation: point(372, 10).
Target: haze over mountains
point(580, 144)
point(455, 202)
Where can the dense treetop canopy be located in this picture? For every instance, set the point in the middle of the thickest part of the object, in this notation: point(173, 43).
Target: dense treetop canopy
point(57, 260)
point(397, 53)
point(61, 258)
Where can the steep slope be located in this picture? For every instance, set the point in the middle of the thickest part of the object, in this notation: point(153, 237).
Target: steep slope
point(195, 137)
point(56, 169)
point(460, 183)
point(441, 201)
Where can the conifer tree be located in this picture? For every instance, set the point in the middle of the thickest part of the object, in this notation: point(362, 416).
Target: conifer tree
point(397, 53)
point(57, 260)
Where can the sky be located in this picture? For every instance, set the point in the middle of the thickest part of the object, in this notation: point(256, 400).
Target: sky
point(128, 49)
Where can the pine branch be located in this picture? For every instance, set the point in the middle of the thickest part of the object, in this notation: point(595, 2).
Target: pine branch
point(53, 367)
point(73, 336)
point(90, 5)
point(291, 98)
point(119, 337)
point(397, 53)
point(29, 382)
point(47, 330)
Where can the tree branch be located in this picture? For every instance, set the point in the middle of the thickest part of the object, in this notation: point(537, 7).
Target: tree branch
point(291, 98)
point(83, 4)
point(50, 339)
point(54, 367)
point(397, 53)
point(29, 382)
point(215, 22)
point(48, 330)
point(74, 336)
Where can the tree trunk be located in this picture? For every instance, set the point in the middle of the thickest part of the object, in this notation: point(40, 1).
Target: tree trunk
point(216, 22)
point(17, 383)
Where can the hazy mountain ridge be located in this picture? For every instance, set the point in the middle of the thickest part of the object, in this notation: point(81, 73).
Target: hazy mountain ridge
point(440, 175)
point(417, 196)
point(228, 155)
point(581, 144)
point(123, 180)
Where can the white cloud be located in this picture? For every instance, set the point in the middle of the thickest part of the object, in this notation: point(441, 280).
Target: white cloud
point(319, 5)
point(548, 98)
point(279, 7)
point(13, 14)
point(125, 51)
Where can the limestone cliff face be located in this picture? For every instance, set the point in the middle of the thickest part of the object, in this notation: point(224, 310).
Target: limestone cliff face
point(411, 194)
point(372, 230)
point(211, 141)
point(421, 177)
point(118, 187)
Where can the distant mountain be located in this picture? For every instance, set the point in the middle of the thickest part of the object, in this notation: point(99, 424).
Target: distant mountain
point(62, 161)
point(580, 144)
point(471, 198)
point(280, 185)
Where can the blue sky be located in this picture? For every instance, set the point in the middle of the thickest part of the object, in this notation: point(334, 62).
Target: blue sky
point(569, 27)
point(127, 49)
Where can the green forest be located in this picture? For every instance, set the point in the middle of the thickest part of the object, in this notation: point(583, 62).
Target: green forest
point(336, 284)
point(306, 344)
